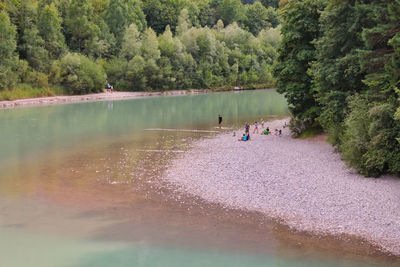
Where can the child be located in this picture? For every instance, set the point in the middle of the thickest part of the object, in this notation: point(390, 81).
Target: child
point(243, 138)
point(255, 127)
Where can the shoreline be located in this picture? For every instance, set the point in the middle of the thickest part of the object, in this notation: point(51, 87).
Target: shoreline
point(302, 183)
point(117, 95)
point(87, 98)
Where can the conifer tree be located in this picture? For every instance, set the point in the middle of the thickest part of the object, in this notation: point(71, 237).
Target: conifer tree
point(336, 71)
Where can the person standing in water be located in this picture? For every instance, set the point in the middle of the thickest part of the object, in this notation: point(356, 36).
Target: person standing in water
point(219, 120)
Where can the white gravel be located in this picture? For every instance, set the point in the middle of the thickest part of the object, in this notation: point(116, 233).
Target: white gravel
point(304, 183)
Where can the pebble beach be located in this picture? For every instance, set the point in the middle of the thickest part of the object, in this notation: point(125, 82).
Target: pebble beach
point(302, 183)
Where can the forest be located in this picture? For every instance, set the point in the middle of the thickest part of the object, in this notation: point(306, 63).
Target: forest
point(78, 46)
point(339, 68)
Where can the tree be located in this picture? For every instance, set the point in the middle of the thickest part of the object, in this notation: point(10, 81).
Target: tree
point(336, 71)
point(166, 43)
point(8, 56)
point(183, 22)
point(300, 26)
point(30, 44)
point(149, 48)
point(50, 30)
point(256, 18)
point(201, 13)
point(230, 11)
point(122, 13)
point(8, 43)
point(273, 17)
point(371, 141)
point(81, 75)
point(80, 28)
point(131, 44)
point(160, 13)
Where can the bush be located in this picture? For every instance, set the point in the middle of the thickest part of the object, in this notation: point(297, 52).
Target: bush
point(42, 80)
point(38, 79)
point(356, 137)
point(369, 142)
point(80, 75)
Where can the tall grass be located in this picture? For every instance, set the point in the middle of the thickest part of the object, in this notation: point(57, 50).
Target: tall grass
point(24, 90)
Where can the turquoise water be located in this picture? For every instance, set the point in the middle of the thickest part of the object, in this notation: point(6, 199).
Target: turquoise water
point(78, 187)
point(23, 250)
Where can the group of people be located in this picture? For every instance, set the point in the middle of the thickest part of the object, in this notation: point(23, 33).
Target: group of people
point(267, 131)
point(246, 135)
point(276, 132)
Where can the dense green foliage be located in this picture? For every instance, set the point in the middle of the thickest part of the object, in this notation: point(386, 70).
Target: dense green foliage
point(8, 57)
point(137, 45)
point(351, 77)
point(300, 26)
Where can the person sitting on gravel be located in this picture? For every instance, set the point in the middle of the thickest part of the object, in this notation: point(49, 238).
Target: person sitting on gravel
point(266, 131)
point(243, 138)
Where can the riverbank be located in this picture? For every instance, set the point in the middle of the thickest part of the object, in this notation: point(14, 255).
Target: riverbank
point(105, 96)
point(86, 98)
point(303, 183)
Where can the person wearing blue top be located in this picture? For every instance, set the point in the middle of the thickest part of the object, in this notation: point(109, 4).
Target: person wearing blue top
point(243, 138)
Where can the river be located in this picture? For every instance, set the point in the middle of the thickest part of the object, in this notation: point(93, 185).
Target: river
point(80, 186)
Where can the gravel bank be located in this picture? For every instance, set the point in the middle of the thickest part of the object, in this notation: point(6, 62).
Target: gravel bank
point(304, 183)
point(89, 97)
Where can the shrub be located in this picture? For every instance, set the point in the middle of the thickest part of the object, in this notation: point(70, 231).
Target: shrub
point(80, 75)
point(369, 142)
